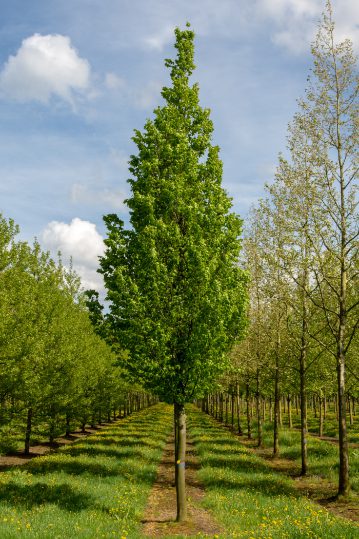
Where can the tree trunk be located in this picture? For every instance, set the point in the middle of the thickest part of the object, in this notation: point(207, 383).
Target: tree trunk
point(276, 411)
point(52, 433)
point(303, 415)
point(180, 463)
point(289, 409)
point(232, 409)
point(68, 431)
point(325, 407)
point(343, 489)
point(28, 431)
point(249, 426)
point(239, 427)
point(259, 415)
point(320, 416)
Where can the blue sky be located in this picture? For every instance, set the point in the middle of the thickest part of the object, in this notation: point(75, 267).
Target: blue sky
point(77, 77)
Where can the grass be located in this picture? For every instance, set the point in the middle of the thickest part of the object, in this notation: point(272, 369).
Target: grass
point(95, 488)
point(323, 456)
point(330, 425)
point(248, 498)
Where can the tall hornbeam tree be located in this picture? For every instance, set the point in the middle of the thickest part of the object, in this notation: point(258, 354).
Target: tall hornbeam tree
point(176, 290)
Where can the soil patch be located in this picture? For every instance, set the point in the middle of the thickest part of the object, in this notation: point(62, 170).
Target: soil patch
point(159, 517)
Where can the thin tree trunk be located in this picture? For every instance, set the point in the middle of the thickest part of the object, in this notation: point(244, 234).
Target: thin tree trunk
point(259, 415)
point(344, 486)
point(303, 413)
point(28, 431)
point(289, 411)
point(232, 409)
point(249, 426)
point(276, 410)
point(325, 407)
point(68, 430)
point(180, 463)
point(239, 427)
point(320, 416)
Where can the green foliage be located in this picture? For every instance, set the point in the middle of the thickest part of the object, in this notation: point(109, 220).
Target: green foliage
point(52, 363)
point(177, 292)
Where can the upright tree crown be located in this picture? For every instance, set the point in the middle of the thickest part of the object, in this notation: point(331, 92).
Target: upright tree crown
point(177, 293)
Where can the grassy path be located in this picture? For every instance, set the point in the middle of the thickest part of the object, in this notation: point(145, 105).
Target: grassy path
point(161, 509)
point(249, 498)
point(95, 488)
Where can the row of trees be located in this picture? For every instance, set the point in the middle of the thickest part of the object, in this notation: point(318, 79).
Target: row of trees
point(301, 247)
point(55, 371)
point(245, 409)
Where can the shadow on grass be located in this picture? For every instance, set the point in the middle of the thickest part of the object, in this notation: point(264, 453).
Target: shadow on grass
point(238, 464)
point(29, 496)
point(121, 453)
point(73, 468)
point(120, 441)
point(268, 486)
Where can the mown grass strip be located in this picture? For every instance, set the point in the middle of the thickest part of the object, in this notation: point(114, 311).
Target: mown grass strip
point(95, 488)
point(248, 498)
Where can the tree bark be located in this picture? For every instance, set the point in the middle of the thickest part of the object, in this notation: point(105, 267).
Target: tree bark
point(232, 409)
point(344, 486)
point(239, 427)
point(249, 426)
point(28, 431)
point(68, 432)
point(303, 414)
point(289, 411)
point(180, 463)
point(276, 410)
point(259, 415)
point(320, 416)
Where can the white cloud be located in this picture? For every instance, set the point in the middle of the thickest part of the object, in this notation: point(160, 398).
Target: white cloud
point(114, 82)
point(295, 22)
point(83, 194)
point(81, 241)
point(149, 96)
point(159, 40)
point(45, 66)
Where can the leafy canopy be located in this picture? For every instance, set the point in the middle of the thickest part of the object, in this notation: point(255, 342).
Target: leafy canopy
point(176, 290)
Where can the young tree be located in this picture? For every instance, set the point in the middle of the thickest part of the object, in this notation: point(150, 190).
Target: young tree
point(176, 291)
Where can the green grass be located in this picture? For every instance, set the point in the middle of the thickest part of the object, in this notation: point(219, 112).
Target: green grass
point(248, 498)
point(323, 456)
point(95, 488)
